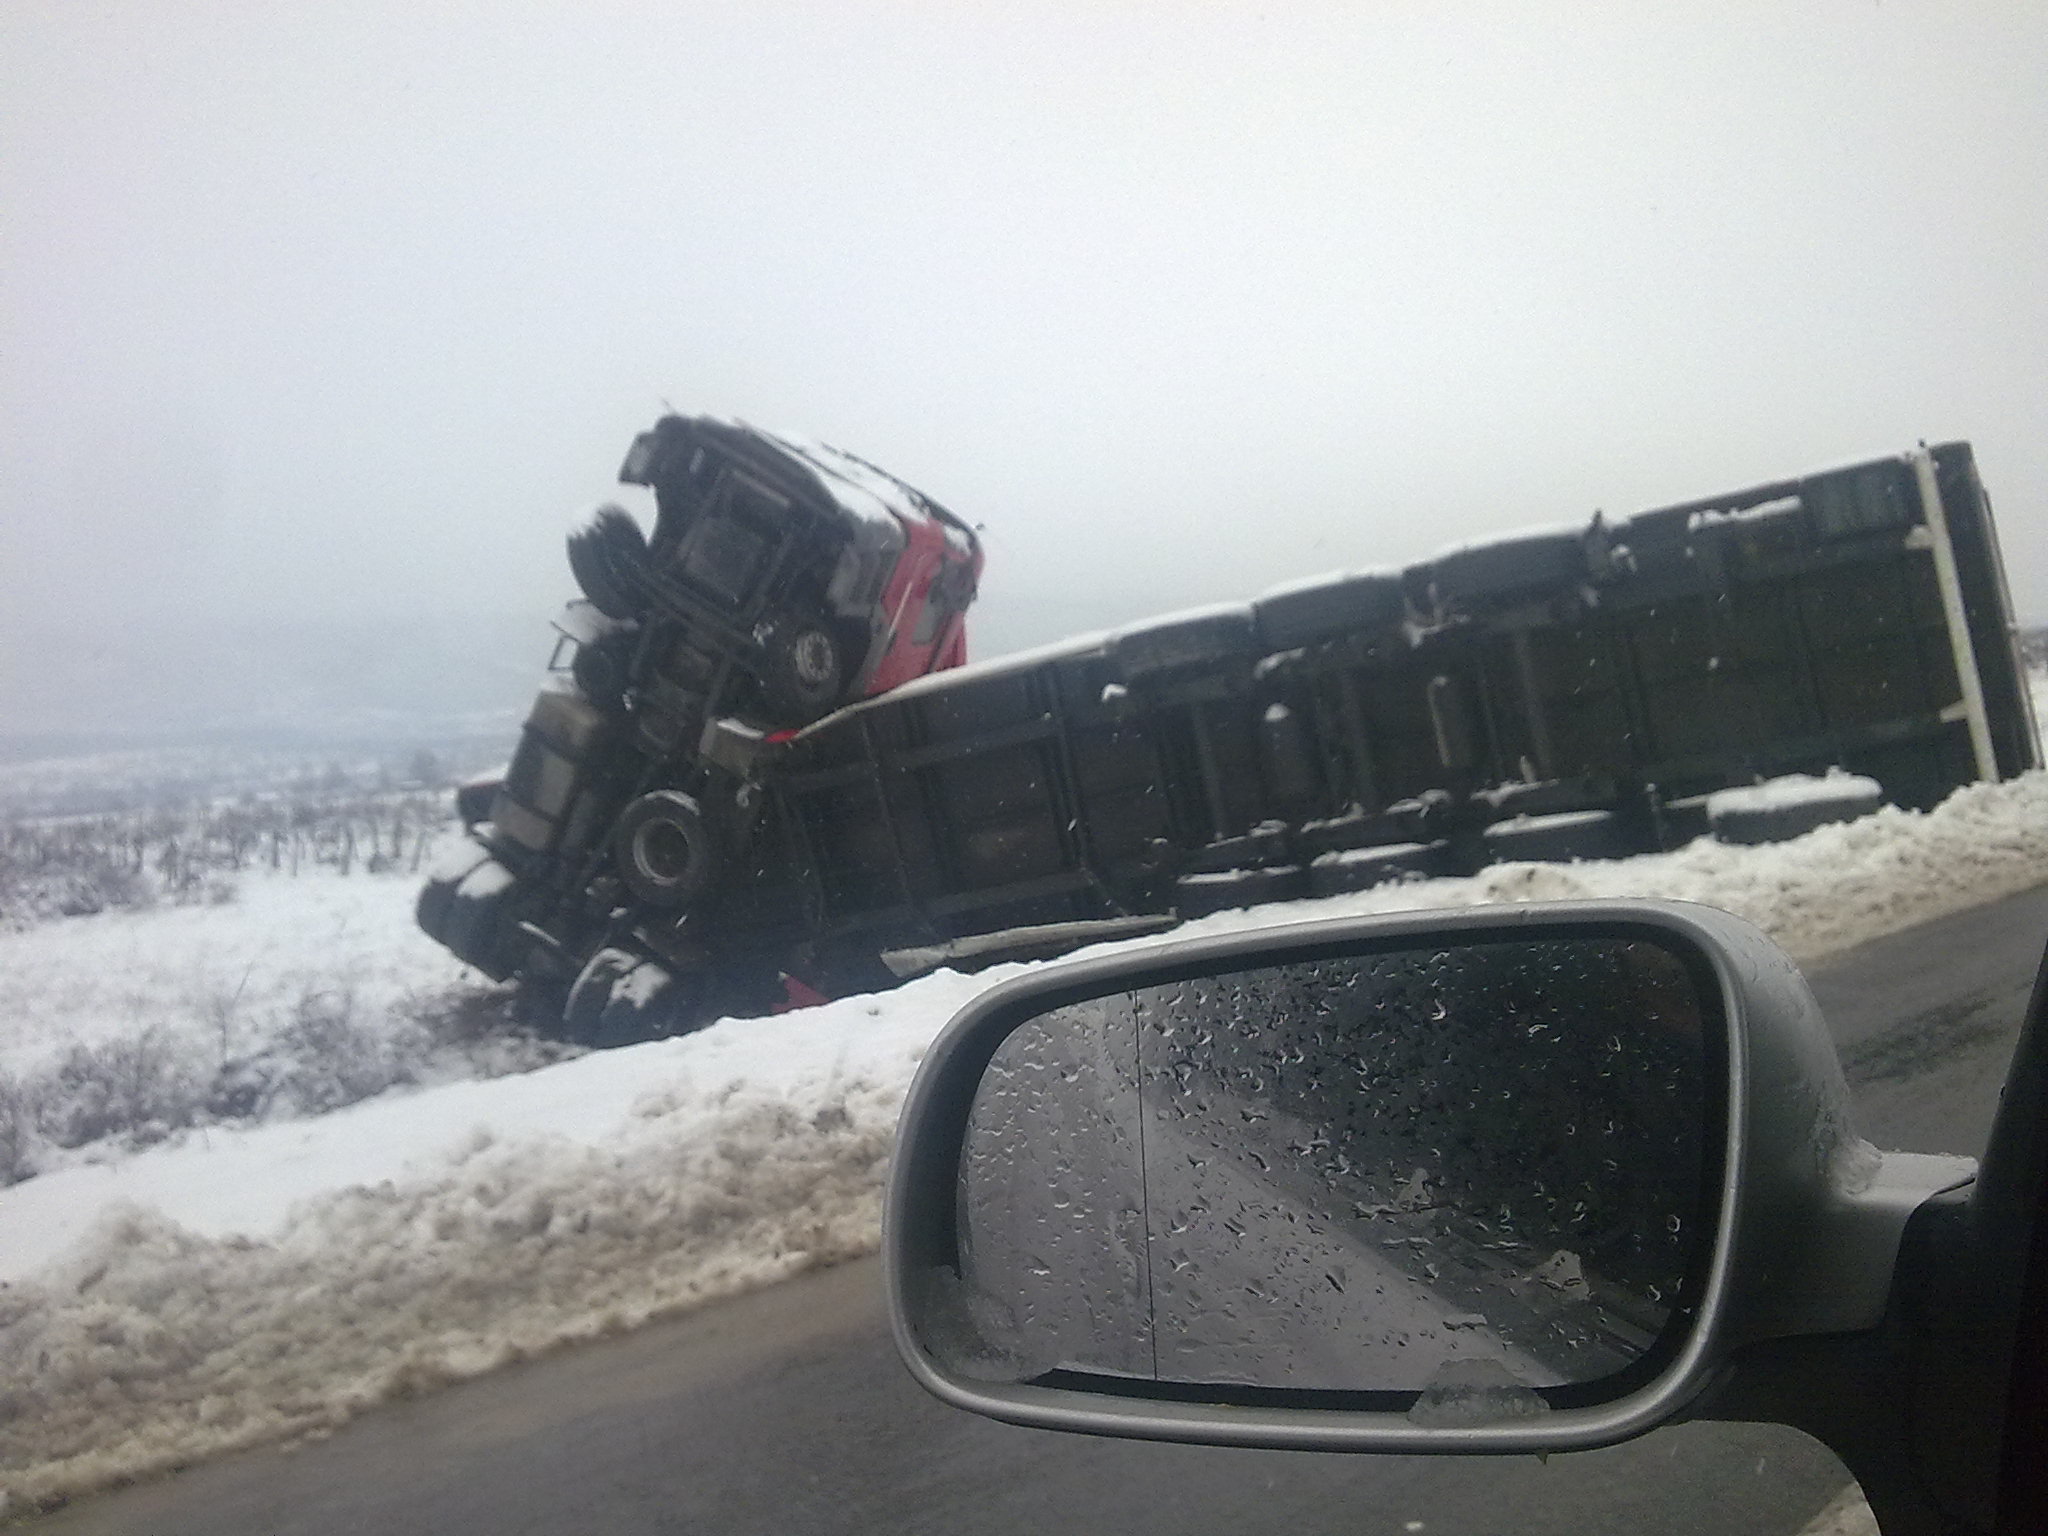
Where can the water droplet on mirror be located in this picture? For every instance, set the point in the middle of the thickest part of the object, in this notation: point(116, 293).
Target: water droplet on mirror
point(1562, 1271)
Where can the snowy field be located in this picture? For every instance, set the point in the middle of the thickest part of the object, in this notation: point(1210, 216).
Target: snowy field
point(272, 1265)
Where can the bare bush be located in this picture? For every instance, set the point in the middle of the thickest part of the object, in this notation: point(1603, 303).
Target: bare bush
point(70, 874)
point(335, 1059)
point(139, 1090)
point(229, 1069)
point(79, 866)
point(19, 1135)
point(485, 1031)
point(323, 1058)
point(151, 778)
point(461, 1016)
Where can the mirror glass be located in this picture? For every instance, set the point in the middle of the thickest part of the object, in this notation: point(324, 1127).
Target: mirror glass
point(1468, 1173)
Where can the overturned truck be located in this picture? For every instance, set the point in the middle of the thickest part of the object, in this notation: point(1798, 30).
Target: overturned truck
point(759, 774)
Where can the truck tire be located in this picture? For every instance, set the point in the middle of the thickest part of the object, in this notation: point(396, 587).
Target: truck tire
point(665, 848)
point(600, 670)
point(476, 929)
point(591, 992)
point(622, 998)
point(802, 670)
point(604, 553)
point(474, 798)
point(437, 896)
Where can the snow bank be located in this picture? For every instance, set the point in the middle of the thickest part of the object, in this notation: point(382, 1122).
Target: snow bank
point(244, 1286)
point(274, 1281)
point(1826, 891)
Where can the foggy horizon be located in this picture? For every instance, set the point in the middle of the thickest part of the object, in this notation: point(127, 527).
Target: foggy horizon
point(338, 318)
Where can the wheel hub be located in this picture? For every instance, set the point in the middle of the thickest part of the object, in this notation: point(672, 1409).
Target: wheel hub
point(811, 658)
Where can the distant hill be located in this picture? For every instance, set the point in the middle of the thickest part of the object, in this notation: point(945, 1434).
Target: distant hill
point(285, 685)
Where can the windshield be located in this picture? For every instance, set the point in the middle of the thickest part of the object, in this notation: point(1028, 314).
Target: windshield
point(1365, 459)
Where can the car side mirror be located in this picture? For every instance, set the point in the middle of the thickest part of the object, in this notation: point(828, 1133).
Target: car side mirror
point(1509, 1179)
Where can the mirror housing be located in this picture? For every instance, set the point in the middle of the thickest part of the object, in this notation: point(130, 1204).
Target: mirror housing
point(1806, 1216)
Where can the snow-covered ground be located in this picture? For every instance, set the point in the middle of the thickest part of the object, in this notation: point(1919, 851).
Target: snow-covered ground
point(234, 1284)
point(219, 975)
point(292, 996)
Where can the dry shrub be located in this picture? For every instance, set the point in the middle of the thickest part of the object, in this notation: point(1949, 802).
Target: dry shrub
point(19, 1137)
point(140, 1090)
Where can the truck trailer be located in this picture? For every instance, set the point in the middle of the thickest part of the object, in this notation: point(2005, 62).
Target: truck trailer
point(698, 821)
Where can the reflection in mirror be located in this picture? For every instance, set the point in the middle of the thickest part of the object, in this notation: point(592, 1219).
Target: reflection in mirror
point(1468, 1173)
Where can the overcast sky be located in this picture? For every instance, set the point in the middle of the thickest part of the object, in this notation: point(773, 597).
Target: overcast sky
point(319, 311)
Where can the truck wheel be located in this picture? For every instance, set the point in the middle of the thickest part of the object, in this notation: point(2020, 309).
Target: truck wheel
point(622, 998)
point(475, 929)
point(437, 896)
point(583, 1012)
point(650, 1003)
point(603, 554)
point(475, 797)
point(665, 848)
point(801, 669)
point(600, 670)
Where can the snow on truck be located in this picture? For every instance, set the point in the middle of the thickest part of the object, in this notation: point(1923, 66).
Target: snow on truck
point(762, 773)
point(783, 579)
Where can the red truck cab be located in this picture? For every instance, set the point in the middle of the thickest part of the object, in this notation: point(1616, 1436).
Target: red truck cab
point(825, 578)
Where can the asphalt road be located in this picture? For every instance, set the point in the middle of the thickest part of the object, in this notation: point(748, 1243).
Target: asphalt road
point(787, 1412)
